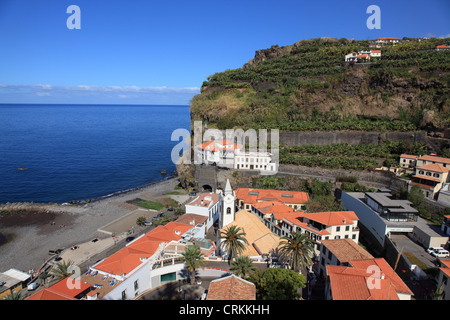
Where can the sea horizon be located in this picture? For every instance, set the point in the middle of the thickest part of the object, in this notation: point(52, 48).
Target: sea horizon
point(84, 151)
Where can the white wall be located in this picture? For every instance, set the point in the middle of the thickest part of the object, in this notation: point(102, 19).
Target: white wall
point(366, 216)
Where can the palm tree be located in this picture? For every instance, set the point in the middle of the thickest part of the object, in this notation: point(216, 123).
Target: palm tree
point(193, 259)
point(242, 266)
point(140, 221)
point(297, 249)
point(15, 295)
point(234, 241)
point(63, 270)
point(43, 276)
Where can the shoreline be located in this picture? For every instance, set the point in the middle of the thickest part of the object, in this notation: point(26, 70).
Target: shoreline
point(92, 200)
point(62, 226)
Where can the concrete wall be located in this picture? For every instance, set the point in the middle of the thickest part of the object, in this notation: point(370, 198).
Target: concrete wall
point(350, 137)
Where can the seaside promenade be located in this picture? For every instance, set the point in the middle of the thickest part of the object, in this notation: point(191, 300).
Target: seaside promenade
point(109, 220)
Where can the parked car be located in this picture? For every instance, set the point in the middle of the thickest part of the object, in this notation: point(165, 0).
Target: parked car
point(433, 249)
point(129, 239)
point(58, 251)
point(192, 194)
point(159, 215)
point(32, 286)
point(440, 253)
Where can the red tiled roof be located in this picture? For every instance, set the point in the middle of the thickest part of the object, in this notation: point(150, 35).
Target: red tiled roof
point(443, 47)
point(231, 288)
point(408, 156)
point(359, 282)
point(434, 167)
point(127, 259)
point(332, 218)
point(446, 268)
point(346, 249)
point(223, 145)
point(249, 195)
point(435, 159)
point(208, 198)
point(426, 178)
point(424, 186)
point(61, 291)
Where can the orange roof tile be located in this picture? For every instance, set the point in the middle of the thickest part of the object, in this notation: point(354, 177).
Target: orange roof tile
point(231, 288)
point(61, 291)
point(426, 178)
point(332, 218)
point(129, 258)
point(408, 156)
point(223, 145)
point(205, 199)
point(435, 159)
point(354, 282)
point(260, 239)
point(250, 195)
point(434, 167)
point(346, 249)
point(46, 294)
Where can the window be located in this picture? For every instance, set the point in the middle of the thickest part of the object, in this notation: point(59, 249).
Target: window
point(347, 228)
point(228, 210)
point(338, 229)
point(353, 236)
point(136, 285)
point(124, 294)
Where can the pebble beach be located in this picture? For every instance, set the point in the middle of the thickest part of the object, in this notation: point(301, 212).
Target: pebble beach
point(37, 228)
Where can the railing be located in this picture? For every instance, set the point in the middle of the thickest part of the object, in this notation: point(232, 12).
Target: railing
point(167, 262)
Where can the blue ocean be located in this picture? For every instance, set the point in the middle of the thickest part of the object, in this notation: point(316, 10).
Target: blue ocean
point(61, 153)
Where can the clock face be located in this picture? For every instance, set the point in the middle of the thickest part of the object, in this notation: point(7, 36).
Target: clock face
point(228, 198)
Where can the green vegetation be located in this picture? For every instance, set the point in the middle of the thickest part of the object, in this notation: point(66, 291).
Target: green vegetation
point(434, 215)
point(193, 259)
point(277, 284)
point(234, 241)
point(153, 205)
point(140, 221)
point(297, 249)
point(308, 86)
point(242, 266)
point(346, 156)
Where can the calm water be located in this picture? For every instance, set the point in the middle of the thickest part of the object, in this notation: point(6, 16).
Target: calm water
point(78, 152)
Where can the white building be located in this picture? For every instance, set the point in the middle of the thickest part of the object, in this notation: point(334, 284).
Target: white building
point(383, 216)
point(145, 263)
point(262, 161)
point(208, 204)
point(323, 226)
point(225, 153)
point(220, 152)
point(362, 55)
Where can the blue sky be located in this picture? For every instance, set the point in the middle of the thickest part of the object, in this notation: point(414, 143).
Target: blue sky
point(160, 52)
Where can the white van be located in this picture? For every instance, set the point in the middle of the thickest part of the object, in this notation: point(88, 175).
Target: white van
point(440, 253)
